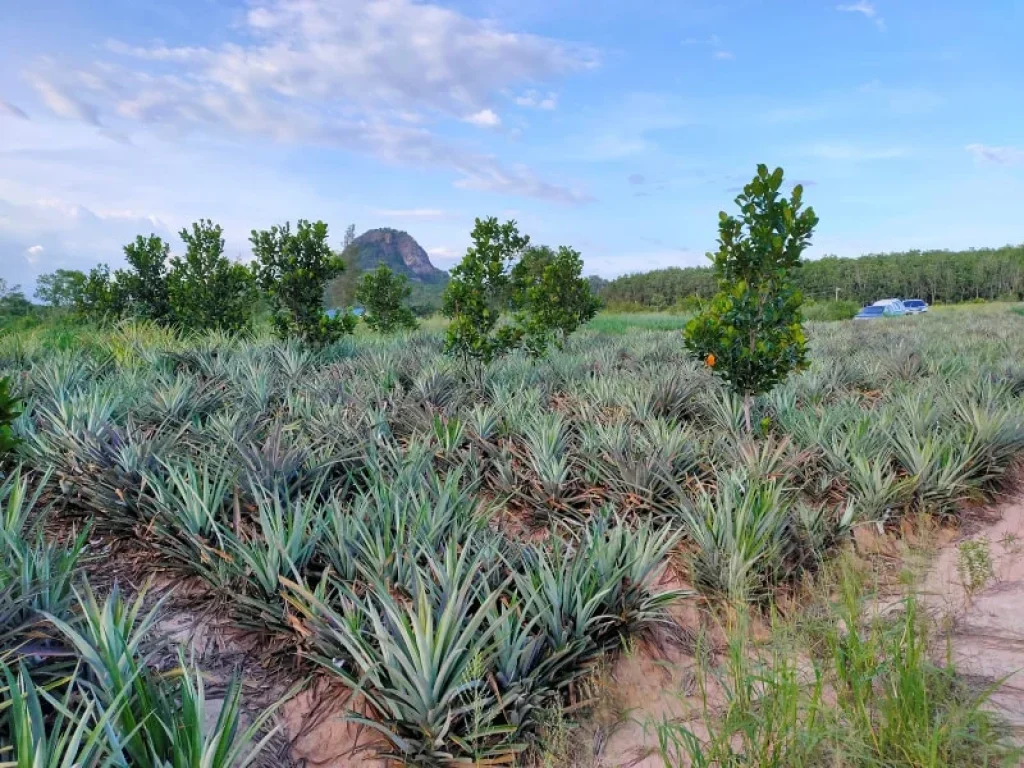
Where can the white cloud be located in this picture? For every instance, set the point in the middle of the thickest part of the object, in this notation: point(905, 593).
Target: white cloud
point(443, 254)
point(855, 153)
point(486, 118)
point(12, 110)
point(996, 155)
point(411, 213)
point(32, 253)
point(866, 9)
point(345, 73)
point(533, 100)
point(724, 55)
point(63, 104)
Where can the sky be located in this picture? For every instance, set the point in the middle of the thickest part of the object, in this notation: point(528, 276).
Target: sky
point(618, 128)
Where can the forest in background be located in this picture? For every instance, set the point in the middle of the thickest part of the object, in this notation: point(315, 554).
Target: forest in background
point(935, 276)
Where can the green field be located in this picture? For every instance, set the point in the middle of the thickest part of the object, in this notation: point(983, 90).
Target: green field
point(471, 551)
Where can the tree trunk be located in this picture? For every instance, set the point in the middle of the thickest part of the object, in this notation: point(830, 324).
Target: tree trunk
point(747, 403)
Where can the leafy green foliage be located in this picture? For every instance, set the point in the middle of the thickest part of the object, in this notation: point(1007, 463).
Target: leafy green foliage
point(505, 294)
point(10, 409)
point(854, 690)
point(992, 274)
point(145, 283)
point(383, 295)
point(751, 332)
point(101, 298)
point(294, 270)
point(61, 289)
point(12, 301)
point(207, 290)
point(551, 297)
point(479, 293)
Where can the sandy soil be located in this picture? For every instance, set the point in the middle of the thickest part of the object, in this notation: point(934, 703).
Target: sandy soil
point(656, 682)
point(986, 628)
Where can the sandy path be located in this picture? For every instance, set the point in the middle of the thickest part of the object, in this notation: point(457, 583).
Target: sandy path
point(986, 629)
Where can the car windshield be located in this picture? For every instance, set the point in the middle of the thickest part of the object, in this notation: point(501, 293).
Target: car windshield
point(872, 310)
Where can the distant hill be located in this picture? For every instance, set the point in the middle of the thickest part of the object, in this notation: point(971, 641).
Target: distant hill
point(399, 251)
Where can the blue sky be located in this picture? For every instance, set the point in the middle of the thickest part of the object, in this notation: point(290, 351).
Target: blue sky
point(618, 128)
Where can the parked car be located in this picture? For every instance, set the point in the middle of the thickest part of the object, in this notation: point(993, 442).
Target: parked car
point(894, 304)
point(876, 312)
point(915, 306)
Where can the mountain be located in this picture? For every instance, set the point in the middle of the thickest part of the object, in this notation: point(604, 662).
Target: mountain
point(396, 249)
point(403, 255)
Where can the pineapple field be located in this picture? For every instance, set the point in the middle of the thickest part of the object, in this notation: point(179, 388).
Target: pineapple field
point(452, 560)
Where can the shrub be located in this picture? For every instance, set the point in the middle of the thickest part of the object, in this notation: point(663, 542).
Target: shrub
point(751, 333)
point(383, 295)
point(207, 290)
point(552, 297)
point(10, 409)
point(504, 294)
point(479, 293)
point(145, 284)
point(294, 269)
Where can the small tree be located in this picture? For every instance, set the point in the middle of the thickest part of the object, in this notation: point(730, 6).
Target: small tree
point(294, 269)
point(552, 298)
point(12, 301)
point(751, 333)
point(61, 289)
point(205, 288)
point(101, 298)
point(383, 295)
point(479, 292)
point(145, 284)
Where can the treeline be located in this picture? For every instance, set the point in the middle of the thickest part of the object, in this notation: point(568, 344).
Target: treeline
point(935, 276)
point(505, 294)
point(202, 289)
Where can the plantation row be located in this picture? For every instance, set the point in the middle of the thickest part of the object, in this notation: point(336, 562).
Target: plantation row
point(363, 501)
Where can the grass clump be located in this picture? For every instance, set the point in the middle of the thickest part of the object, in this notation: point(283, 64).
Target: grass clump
point(850, 689)
point(974, 564)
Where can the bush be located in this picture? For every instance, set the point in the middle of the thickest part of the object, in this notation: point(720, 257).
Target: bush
point(10, 409)
point(383, 295)
point(207, 290)
point(294, 270)
point(751, 333)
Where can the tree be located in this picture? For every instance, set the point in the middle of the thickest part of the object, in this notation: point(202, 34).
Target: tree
point(145, 284)
point(751, 333)
point(204, 287)
point(294, 269)
point(478, 293)
point(61, 289)
point(383, 295)
point(551, 297)
point(350, 237)
point(101, 296)
point(12, 301)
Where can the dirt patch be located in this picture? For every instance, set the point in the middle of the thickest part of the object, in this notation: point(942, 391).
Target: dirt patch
point(985, 620)
point(320, 735)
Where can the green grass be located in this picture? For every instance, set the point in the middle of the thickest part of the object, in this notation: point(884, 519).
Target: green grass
point(616, 323)
point(818, 694)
